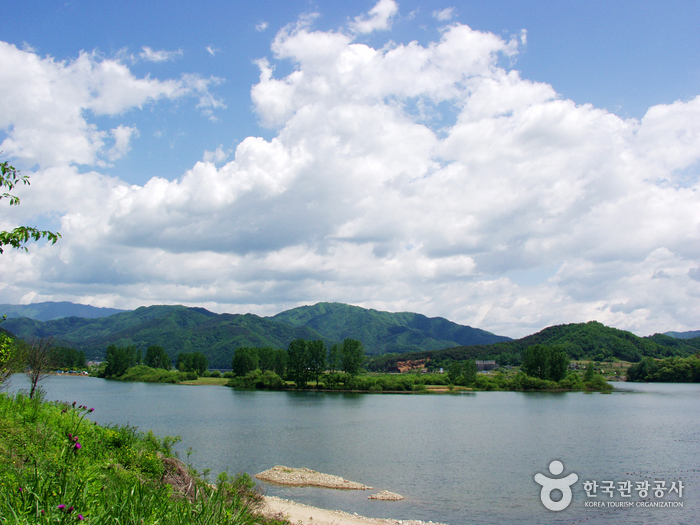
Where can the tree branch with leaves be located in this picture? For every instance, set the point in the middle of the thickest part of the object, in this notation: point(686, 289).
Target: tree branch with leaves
point(20, 236)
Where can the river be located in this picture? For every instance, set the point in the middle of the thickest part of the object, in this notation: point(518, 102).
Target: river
point(457, 458)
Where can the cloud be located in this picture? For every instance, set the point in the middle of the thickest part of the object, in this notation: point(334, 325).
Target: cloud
point(261, 26)
point(379, 17)
point(360, 198)
point(217, 156)
point(159, 56)
point(45, 105)
point(212, 50)
point(122, 141)
point(444, 15)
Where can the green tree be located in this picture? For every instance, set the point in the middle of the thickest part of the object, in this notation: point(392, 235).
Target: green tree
point(334, 358)
point(298, 362)
point(20, 236)
point(462, 372)
point(157, 357)
point(544, 362)
point(12, 356)
point(195, 362)
point(317, 358)
point(246, 359)
point(266, 358)
point(119, 360)
point(69, 357)
point(454, 372)
point(352, 355)
point(279, 362)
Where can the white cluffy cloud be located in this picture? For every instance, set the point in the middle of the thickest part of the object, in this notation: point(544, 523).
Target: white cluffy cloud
point(444, 14)
point(44, 105)
point(410, 177)
point(379, 17)
point(150, 55)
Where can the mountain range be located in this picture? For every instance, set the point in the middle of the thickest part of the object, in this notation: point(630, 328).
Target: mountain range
point(186, 329)
point(389, 337)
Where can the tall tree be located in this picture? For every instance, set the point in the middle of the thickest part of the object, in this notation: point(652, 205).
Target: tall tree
point(119, 360)
point(195, 362)
point(334, 358)
point(298, 362)
point(317, 358)
point(246, 359)
point(17, 238)
point(41, 358)
point(157, 357)
point(545, 362)
point(352, 355)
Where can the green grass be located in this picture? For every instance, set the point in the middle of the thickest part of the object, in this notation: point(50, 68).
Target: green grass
point(58, 467)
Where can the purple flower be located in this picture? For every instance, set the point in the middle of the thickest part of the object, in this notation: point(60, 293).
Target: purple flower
point(78, 446)
point(61, 506)
point(91, 410)
point(43, 512)
point(70, 509)
point(73, 404)
point(80, 517)
point(70, 436)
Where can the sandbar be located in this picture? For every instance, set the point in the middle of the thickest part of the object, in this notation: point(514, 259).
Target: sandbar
point(305, 477)
point(307, 515)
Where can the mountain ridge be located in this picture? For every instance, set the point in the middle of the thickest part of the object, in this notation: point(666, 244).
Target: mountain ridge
point(185, 329)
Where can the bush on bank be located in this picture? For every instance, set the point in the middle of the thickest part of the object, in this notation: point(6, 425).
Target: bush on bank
point(58, 467)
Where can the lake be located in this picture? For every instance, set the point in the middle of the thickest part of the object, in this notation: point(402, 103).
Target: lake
point(457, 458)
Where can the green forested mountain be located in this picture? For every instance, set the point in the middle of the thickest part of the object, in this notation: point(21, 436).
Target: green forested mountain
point(401, 335)
point(182, 329)
point(591, 340)
point(55, 310)
point(684, 335)
point(385, 332)
point(176, 328)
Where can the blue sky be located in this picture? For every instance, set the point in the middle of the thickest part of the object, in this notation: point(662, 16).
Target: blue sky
point(522, 187)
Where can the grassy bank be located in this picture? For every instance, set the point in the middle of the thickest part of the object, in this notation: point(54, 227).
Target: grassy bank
point(58, 467)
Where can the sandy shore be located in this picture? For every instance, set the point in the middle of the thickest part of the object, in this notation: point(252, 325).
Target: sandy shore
point(307, 515)
point(305, 477)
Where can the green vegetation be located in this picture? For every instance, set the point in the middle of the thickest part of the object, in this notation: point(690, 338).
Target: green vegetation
point(58, 467)
point(20, 236)
point(195, 362)
point(544, 362)
point(669, 370)
point(547, 370)
point(179, 329)
point(590, 341)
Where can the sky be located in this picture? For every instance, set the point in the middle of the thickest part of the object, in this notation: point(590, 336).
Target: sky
point(506, 165)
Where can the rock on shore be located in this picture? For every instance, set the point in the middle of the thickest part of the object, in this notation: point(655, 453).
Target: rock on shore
point(305, 477)
point(385, 495)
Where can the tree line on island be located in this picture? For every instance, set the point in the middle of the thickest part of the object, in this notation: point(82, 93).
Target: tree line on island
point(312, 364)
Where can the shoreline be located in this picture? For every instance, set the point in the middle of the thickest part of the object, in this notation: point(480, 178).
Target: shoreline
point(299, 513)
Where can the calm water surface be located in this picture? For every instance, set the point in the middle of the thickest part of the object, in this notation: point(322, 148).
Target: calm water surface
point(457, 459)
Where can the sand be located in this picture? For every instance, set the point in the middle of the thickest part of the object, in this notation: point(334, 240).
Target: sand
point(298, 513)
point(305, 477)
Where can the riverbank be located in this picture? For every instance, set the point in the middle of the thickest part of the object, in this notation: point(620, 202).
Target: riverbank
point(298, 513)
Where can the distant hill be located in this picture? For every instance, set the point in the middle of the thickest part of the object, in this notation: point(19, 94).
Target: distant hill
point(176, 328)
point(684, 335)
point(182, 329)
point(591, 340)
point(55, 310)
point(385, 332)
